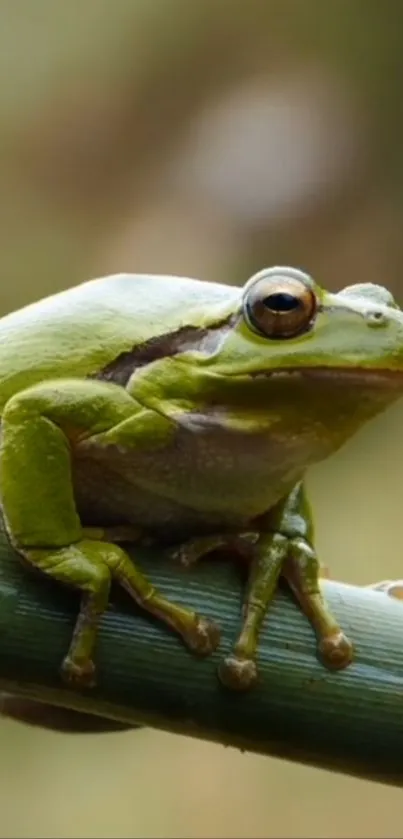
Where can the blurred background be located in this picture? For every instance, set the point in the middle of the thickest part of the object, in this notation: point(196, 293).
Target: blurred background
point(209, 138)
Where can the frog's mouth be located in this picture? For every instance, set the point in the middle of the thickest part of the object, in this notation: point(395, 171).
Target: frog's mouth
point(357, 376)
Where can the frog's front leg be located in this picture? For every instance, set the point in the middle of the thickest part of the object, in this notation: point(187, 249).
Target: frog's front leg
point(40, 428)
point(284, 548)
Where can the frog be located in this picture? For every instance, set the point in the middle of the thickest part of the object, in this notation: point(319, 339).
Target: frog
point(172, 411)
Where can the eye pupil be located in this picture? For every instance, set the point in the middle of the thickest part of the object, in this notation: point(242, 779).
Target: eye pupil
point(281, 301)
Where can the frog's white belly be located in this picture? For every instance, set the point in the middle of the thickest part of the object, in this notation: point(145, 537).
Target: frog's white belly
point(201, 482)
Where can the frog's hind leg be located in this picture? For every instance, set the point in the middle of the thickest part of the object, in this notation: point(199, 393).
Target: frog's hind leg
point(90, 566)
point(39, 427)
point(200, 634)
point(82, 566)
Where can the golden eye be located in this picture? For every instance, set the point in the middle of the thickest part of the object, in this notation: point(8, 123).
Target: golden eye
point(280, 303)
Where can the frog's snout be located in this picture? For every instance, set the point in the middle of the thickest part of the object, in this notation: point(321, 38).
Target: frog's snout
point(383, 318)
point(386, 342)
point(375, 303)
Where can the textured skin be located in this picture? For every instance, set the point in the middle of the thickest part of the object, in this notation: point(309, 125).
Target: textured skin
point(79, 331)
point(209, 438)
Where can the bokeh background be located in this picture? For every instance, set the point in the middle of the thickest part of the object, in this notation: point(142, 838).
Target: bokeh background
point(207, 138)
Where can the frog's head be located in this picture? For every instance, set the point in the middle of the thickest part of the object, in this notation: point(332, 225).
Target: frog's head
point(285, 349)
point(284, 323)
point(283, 353)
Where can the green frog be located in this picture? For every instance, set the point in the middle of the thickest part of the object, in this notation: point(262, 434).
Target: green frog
point(185, 413)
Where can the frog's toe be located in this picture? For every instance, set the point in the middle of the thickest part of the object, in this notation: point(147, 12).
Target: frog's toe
point(78, 675)
point(336, 650)
point(237, 673)
point(203, 637)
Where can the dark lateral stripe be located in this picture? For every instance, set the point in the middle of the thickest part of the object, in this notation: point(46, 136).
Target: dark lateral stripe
point(208, 340)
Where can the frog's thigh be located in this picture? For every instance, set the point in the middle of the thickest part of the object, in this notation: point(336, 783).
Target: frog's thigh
point(38, 427)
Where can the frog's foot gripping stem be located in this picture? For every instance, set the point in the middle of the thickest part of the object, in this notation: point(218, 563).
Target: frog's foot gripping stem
point(296, 561)
point(90, 566)
point(238, 670)
point(284, 549)
point(272, 555)
point(302, 572)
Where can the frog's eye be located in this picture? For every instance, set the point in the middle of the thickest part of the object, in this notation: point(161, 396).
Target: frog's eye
point(280, 305)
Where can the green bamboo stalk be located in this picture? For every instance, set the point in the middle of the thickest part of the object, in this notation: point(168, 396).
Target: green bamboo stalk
point(351, 721)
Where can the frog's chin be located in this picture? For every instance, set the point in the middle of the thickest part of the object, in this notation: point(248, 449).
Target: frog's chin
point(357, 376)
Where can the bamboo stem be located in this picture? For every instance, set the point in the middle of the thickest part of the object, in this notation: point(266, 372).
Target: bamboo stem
point(351, 721)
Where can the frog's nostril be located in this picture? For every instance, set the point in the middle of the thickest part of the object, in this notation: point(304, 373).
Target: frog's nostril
point(376, 318)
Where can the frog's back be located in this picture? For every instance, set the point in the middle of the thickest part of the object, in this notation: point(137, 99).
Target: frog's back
point(80, 330)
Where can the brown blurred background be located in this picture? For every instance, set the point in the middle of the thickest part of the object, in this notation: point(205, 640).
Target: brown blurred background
point(207, 138)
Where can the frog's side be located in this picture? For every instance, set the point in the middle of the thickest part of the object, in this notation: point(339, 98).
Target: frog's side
point(190, 411)
point(210, 476)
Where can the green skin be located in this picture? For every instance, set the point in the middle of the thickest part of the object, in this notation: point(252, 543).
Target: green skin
point(152, 408)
